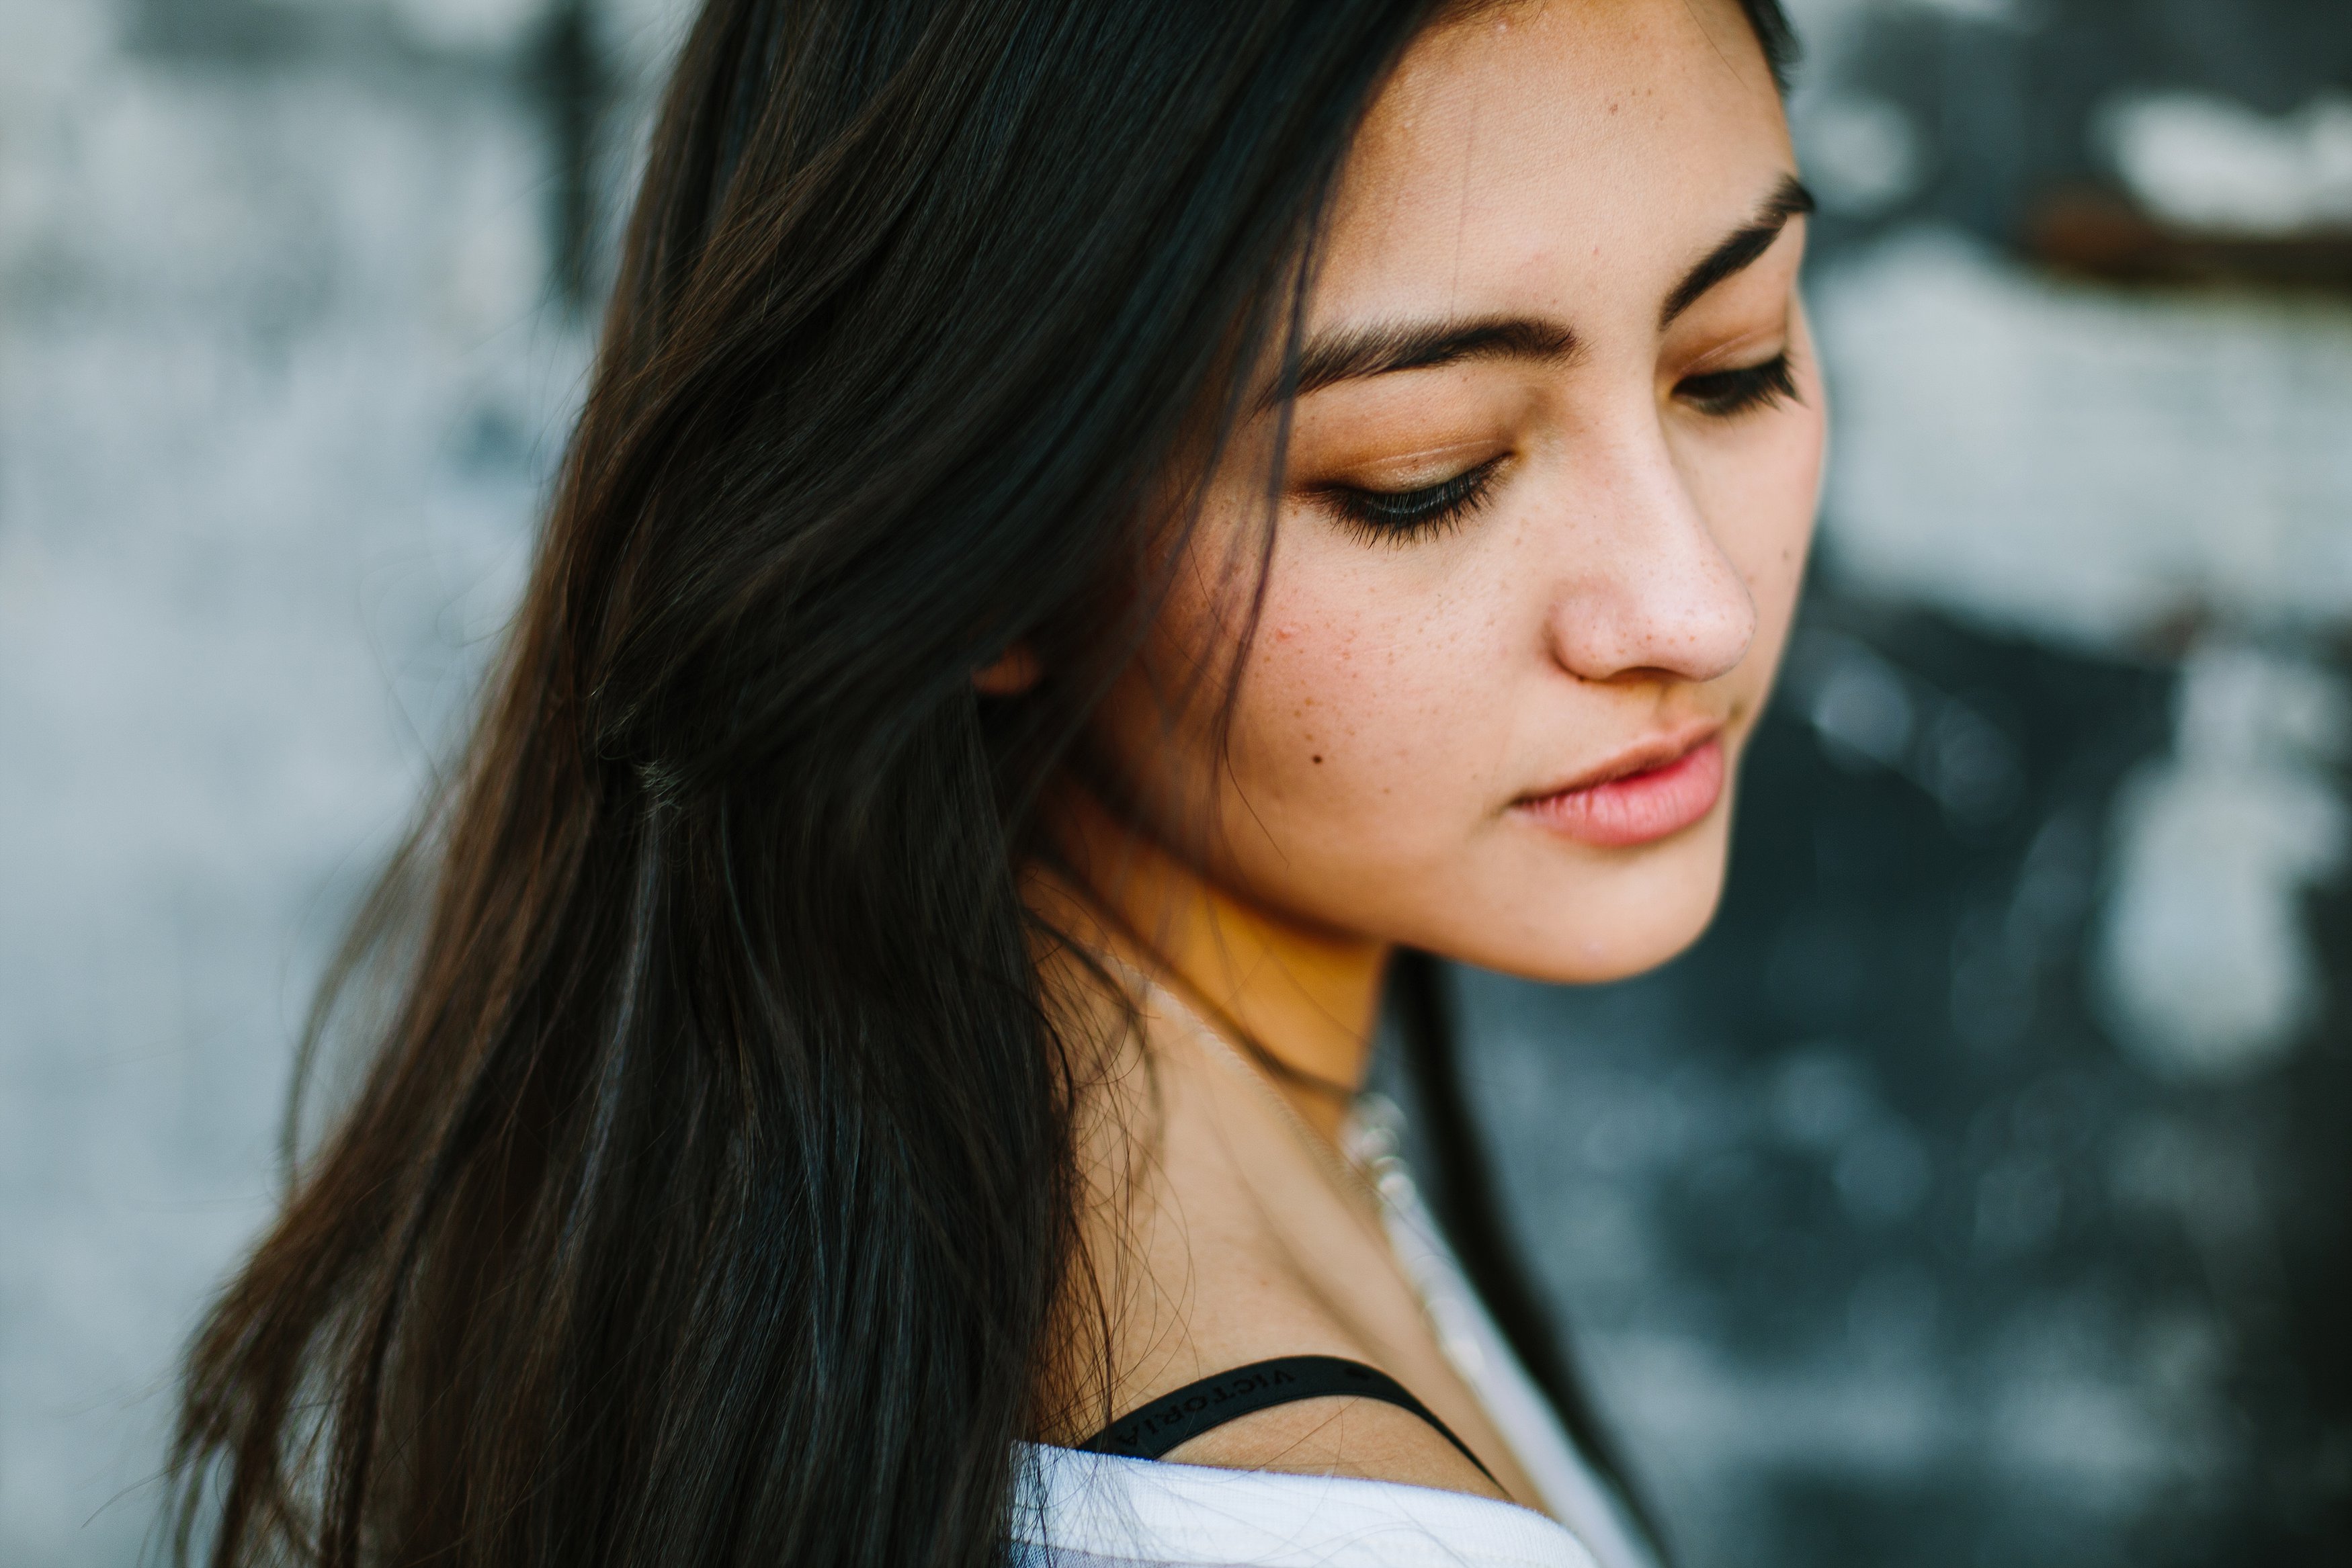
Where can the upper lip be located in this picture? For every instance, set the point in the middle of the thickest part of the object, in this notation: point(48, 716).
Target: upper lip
point(1651, 751)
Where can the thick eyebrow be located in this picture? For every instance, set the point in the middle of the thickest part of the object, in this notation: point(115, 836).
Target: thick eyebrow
point(1350, 354)
point(1353, 353)
point(1739, 252)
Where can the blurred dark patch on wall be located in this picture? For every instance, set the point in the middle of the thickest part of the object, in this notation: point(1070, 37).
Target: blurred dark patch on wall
point(551, 58)
point(2003, 101)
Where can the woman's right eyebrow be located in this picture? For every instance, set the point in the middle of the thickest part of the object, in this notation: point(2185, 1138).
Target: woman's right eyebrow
point(1349, 353)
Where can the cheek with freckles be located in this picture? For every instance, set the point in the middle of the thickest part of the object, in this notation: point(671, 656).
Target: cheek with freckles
point(1360, 752)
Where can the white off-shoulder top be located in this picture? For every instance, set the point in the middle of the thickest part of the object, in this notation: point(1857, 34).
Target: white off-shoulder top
point(1094, 1510)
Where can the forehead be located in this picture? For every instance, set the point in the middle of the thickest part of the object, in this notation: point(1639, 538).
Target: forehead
point(1533, 156)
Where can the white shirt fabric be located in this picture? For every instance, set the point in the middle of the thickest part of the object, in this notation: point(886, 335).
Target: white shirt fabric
point(1095, 1511)
point(1091, 1511)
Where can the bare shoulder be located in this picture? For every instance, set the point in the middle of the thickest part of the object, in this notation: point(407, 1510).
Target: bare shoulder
point(1213, 1239)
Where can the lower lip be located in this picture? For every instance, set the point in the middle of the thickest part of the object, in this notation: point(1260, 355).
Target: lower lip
point(1640, 808)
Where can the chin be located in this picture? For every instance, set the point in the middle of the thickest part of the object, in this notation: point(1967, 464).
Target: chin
point(1599, 924)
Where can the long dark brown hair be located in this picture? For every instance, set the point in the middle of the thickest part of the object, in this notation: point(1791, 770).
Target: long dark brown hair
point(706, 1196)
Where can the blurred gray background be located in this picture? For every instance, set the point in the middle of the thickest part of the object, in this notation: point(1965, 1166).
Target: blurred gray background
point(1975, 1194)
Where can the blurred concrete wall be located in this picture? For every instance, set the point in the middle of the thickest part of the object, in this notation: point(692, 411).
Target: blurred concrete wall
point(1973, 1194)
point(284, 355)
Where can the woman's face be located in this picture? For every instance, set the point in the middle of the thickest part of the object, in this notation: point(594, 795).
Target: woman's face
point(1550, 478)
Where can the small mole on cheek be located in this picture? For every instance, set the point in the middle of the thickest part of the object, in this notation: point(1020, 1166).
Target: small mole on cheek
point(1318, 759)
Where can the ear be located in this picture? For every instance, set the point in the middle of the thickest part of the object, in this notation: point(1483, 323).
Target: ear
point(1016, 671)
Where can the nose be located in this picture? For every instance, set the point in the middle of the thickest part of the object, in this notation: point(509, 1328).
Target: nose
point(1644, 590)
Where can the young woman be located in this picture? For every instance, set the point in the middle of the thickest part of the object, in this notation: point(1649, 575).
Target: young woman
point(1104, 535)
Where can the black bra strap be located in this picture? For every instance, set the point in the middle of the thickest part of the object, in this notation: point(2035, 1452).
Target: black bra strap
point(1197, 1407)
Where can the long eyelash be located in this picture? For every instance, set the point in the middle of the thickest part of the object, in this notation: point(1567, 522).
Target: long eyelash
point(1726, 394)
point(1400, 517)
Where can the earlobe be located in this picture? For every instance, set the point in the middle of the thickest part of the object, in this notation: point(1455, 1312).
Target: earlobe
point(1016, 671)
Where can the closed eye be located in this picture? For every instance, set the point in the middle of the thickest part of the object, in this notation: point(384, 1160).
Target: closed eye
point(1400, 516)
point(1726, 394)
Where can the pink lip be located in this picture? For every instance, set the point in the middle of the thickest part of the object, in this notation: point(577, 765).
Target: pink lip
point(1645, 795)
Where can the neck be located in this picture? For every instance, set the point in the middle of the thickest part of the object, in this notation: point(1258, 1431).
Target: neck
point(1306, 996)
